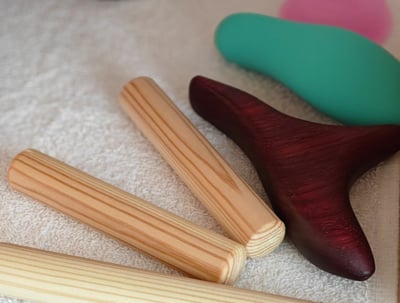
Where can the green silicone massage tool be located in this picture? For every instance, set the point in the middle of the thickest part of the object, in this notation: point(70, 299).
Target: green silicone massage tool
point(341, 73)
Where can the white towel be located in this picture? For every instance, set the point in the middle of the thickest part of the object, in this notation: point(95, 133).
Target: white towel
point(62, 64)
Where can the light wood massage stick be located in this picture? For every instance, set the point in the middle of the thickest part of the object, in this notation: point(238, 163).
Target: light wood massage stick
point(243, 215)
point(47, 277)
point(197, 251)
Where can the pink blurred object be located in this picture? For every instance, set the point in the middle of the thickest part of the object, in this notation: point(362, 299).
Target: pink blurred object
point(370, 18)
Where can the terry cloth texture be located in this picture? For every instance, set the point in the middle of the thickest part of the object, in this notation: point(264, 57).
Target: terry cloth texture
point(63, 64)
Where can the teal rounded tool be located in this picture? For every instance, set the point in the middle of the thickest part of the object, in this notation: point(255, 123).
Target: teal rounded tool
point(341, 73)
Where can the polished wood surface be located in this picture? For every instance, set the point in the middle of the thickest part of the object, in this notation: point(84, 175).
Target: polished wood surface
point(306, 169)
point(228, 198)
point(46, 277)
point(197, 251)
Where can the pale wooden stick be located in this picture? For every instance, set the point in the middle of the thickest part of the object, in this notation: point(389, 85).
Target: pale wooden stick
point(195, 250)
point(229, 199)
point(42, 276)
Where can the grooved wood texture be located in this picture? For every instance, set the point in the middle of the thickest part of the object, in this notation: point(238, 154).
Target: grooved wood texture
point(228, 198)
point(48, 277)
point(306, 169)
point(195, 250)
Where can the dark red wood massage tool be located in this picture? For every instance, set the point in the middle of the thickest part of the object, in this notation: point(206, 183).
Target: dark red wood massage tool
point(306, 169)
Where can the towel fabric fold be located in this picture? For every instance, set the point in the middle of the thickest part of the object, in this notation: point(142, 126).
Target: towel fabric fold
point(62, 66)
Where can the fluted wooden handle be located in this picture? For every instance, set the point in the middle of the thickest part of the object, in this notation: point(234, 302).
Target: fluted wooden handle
point(195, 250)
point(40, 276)
point(229, 199)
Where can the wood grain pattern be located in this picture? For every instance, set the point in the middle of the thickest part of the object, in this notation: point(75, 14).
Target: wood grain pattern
point(227, 197)
point(195, 250)
point(47, 277)
point(307, 170)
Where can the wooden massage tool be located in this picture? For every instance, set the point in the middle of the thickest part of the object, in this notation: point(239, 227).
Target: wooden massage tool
point(243, 215)
point(48, 277)
point(306, 169)
point(197, 251)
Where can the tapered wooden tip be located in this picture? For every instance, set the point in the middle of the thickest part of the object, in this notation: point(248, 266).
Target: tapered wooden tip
point(306, 169)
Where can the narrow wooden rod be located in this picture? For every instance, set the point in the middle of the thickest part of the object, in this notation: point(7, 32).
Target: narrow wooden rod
point(47, 277)
point(190, 248)
point(229, 199)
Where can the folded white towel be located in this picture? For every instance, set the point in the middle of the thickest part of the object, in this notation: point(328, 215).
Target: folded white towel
point(62, 65)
